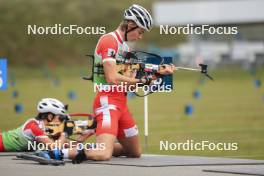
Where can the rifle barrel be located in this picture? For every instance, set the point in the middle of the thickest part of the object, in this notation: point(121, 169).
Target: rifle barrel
point(185, 68)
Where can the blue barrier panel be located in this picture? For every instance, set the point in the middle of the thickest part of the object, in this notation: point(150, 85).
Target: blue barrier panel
point(3, 74)
point(196, 94)
point(18, 108)
point(15, 94)
point(72, 95)
point(257, 83)
point(188, 109)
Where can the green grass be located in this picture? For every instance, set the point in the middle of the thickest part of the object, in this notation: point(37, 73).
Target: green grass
point(231, 109)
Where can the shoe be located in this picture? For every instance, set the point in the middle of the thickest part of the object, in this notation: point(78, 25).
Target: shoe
point(55, 154)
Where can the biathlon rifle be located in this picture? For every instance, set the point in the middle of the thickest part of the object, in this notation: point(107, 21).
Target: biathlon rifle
point(71, 127)
point(138, 61)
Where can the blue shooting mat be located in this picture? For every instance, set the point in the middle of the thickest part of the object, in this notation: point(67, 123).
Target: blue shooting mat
point(168, 79)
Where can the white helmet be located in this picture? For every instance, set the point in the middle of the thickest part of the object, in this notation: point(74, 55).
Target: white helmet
point(140, 16)
point(52, 105)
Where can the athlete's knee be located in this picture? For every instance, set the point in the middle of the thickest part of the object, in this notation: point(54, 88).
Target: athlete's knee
point(134, 154)
point(137, 154)
point(102, 156)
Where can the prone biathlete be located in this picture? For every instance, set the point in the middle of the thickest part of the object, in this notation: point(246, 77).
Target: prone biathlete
point(50, 110)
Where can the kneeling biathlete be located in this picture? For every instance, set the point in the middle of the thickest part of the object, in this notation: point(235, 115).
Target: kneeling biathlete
point(114, 120)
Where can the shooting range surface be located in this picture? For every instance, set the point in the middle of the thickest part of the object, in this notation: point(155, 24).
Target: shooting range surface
point(148, 164)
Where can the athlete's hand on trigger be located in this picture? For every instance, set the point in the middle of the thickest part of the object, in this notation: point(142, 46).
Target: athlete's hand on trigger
point(166, 69)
